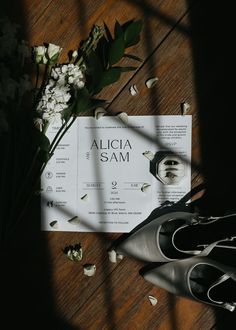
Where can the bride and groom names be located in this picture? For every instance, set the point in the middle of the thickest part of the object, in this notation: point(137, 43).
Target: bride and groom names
point(117, 150)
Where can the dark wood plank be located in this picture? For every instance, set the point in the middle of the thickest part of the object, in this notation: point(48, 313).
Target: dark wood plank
point(172, 64)
point(73, 20)
point(34, 10)
point(66, 23)
point(131, 309)
point(72, 288)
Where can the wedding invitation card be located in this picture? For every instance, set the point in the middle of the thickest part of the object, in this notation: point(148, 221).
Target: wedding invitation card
point(107, 175)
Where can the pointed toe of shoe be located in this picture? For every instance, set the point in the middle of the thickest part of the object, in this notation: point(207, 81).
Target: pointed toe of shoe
point(164, 277)
point(132, 247)
point(171, 277)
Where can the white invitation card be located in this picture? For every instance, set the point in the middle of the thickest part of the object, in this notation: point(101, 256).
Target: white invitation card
point(107, 175)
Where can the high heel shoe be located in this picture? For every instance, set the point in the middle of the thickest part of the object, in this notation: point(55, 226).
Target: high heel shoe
point(209, 277)
point(171, 233)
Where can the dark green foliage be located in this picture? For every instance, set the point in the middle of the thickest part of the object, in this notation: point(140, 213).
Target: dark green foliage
point(100, 62)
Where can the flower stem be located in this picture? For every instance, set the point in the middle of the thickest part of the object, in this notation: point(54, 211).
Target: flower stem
point(91, 43)
point(57, 135)
point(37, 76)
point(56, 141)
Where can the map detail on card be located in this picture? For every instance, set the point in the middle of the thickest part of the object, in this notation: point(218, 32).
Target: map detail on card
point(107, 175)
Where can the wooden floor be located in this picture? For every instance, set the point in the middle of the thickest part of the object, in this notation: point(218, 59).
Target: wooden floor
point(182, 45)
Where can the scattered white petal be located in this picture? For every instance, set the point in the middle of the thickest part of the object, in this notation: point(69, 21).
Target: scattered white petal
point(184, 108)
point(153, 300)
point(54, 224)
point(84, 198)
point(133, 90)
point(99, 112)
point(145, 187)
point(89, 269)
point(123, 117)
point(112, 256)
point(149, 155)
point(74, 54)
point(74, 221)
point(74, 253)
point(151, 82)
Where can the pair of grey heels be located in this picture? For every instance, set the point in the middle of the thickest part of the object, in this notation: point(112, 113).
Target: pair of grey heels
point(198, 260)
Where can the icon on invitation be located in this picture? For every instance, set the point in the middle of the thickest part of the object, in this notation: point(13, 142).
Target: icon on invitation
point(49, 189)
point(48, 175)
point(167, 167)
point(50, 203)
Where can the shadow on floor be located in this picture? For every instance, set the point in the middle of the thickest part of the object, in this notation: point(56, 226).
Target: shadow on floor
point(212, 24)
point(26, 291)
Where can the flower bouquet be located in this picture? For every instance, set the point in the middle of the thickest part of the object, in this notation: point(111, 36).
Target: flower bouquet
point(60, 92)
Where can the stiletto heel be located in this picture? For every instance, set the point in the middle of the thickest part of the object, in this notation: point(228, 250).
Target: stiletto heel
point(172, 232)
point(209, 277)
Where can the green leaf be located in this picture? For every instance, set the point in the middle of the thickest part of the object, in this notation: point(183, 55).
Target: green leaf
point(118, 31)
point(108, 33)
point(102, 51)
point(134, 41)
point(126, 24)
point(116, 51)
point(110, 76)
point(125, 68)
point(53, 59)
point(92, 104)
point(132, 33)
point(41, 140)
point(82, 102)
point(133, 57)
point(95, 69)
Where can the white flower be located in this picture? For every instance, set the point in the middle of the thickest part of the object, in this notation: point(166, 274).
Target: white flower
point(69, 73)
point(39, 54)
point(57, 93)
point(53, 52)
point(75, 76)
point(54, 100)
point(55, 73)
point(40, 50)
point(79, 83)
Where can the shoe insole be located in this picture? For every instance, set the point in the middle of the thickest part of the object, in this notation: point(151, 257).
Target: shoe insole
point(189, 237)
point(165, 239)
point(203, 276)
